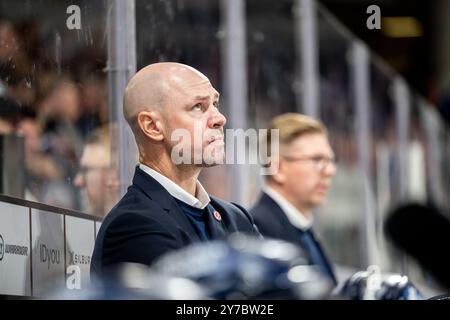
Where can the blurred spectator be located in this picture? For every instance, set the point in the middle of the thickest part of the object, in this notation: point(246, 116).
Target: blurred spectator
point(40, 168)
point(58, 110)
point(54, 97)
point(8, 48)
point(305, 166)
point(97, 176)
point(5, 126)
point(13, 59)
point(94, 104)
point(8, 116)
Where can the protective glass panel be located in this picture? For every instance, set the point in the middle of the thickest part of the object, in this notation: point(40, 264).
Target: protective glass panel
point(384, 163)
point(189, 32)
point(340, 217)
point(271, 60)
point(53, 101)
point(271, 65)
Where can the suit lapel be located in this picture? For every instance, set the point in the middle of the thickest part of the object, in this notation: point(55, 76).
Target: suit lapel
point(328, 265)
point(280, 217)
point(156, 192)
point(180, 217)
point(291, 232)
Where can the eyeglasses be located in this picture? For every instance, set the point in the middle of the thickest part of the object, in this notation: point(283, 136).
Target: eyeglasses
point(319, 162)
point(83, 170)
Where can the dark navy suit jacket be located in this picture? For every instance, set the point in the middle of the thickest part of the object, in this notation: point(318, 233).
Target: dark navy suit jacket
point(272, 222)
point(147, 223)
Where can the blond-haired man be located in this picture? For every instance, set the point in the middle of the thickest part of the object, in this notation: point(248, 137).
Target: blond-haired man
point(98, 177)
point(306, 166)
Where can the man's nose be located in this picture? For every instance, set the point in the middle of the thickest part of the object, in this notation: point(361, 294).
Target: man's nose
point(216, 120)
point(330, 169)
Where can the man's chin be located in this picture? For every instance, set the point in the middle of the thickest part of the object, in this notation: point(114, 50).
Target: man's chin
point(211, 163)
point(208, 165)
point(214, 158)
point(318, 201)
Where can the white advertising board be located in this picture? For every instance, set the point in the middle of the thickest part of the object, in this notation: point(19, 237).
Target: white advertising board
point(80, 238)
point(48, 273)
point(15, 257)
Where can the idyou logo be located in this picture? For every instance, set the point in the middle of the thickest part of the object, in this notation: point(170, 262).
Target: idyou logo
point(49, 255)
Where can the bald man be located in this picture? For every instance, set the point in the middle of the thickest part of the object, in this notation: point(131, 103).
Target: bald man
point(173, 111)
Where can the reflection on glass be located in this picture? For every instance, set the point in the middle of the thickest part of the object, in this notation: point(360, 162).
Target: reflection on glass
point(384, 158)
point(435, 142)
point(52, 93)
point(340, 217)
point(271, 62)
point(417, 150)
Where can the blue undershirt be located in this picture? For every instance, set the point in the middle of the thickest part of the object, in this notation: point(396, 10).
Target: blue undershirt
point(197, 217)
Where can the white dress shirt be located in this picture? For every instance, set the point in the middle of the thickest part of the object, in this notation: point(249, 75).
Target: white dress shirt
point(200, 200)
point(295, 217)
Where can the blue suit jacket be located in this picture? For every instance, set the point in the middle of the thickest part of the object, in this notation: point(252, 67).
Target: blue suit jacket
point(272, 222)
point(147, 222)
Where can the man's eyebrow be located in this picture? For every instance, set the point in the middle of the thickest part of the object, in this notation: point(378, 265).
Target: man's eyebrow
point(216, 96)
point(201, 97)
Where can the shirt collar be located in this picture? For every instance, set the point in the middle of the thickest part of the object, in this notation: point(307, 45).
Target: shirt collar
point(201, 199)
point(295, 217)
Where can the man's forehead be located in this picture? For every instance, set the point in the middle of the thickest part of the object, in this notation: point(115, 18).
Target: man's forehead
point(167, 71)
point(310, 143)
point(196, 88)
point(181, 69)
point(214, 92)
point(95, 154)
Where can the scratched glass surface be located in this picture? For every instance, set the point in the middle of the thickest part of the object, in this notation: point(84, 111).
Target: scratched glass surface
point(53, 96)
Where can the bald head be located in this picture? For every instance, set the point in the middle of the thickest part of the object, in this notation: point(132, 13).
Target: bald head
point(148, 89)
point(166, 100)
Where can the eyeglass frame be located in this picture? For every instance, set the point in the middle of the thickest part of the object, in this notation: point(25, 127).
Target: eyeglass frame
point(83, 170)
point(317, 160)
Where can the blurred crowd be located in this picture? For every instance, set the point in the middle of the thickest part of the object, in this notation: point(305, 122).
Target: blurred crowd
point(55, 104)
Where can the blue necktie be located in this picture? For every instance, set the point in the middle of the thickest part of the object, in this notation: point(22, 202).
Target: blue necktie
point(316, 255)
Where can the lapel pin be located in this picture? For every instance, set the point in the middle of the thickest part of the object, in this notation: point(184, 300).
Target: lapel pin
point(217, 215)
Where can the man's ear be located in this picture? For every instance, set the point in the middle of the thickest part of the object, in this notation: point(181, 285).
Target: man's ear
point(278, 170)
point(150, 125)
